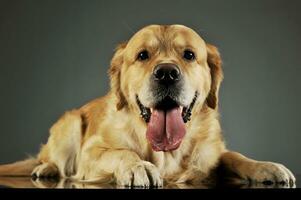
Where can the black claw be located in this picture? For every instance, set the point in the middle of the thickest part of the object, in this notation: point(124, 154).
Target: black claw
point(34, 176)
point(291, 182)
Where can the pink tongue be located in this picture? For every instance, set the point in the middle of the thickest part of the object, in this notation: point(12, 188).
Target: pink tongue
point(165, 129)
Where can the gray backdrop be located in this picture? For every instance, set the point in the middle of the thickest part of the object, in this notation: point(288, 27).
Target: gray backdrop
point(54, 56)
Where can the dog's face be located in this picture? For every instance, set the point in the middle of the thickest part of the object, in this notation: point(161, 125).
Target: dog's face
point(163, 73)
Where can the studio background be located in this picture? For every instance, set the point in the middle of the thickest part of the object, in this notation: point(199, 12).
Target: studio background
point(54, 56)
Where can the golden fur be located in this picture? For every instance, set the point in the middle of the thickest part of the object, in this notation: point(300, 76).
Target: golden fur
point(105, 140)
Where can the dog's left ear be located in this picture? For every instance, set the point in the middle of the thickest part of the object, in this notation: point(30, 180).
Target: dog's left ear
point(115, 73)
point(215, 64)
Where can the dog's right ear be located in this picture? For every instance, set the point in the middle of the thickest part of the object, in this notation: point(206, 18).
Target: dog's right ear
point(215, 64)
point(115, 73)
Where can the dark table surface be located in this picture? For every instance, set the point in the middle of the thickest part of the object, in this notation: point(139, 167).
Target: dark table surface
point(27, 182)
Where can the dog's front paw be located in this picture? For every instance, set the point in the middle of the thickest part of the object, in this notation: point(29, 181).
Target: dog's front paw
point(45, 170)
point(269, 173)
point(141, 174)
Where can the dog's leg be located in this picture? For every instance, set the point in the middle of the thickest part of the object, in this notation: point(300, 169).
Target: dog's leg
point(255, 172)
point(123, 166)
point(59, 156)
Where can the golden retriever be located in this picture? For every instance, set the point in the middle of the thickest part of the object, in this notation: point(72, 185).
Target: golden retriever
point(158, 124)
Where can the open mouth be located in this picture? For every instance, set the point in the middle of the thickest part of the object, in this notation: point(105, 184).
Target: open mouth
point(167, 104)
point(166, 123)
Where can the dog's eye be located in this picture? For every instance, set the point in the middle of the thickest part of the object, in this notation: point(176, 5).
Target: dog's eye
point(189, 55)
point(143, 55)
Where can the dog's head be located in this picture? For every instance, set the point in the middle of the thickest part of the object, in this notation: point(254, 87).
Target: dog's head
point(163, 73)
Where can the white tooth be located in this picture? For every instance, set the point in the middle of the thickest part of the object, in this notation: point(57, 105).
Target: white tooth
point(151, 109)
point(181, 108)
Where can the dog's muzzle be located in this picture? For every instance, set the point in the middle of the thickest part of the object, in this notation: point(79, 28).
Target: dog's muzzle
point(167, 117)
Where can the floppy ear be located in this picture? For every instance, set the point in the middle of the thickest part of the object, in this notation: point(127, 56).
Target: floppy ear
point(115, 73)
point(215, 64)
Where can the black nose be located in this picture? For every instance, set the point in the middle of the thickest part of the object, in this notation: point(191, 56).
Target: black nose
point(167, 73)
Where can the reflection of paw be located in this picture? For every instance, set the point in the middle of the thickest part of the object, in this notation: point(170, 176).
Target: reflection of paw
point(45, 170)
point(141, 174)
point(270, 173)
point(44, 182)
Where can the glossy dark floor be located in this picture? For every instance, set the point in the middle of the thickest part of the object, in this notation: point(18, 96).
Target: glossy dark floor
point(27, 182)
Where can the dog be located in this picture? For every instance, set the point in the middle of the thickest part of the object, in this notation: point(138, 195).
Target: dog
point(158, 124)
